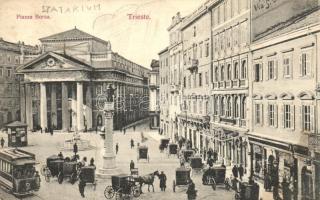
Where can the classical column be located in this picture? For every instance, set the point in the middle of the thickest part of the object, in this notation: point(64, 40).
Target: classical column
point(65, 107)
point(89, 107)
point(53, 106)
point(109, 163)
point(80, 125)
point(43, 106)
point(73, 108)
point(28, 110)
point(22, 103)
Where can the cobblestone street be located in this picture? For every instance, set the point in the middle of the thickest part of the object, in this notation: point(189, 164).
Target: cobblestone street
point(44, 145)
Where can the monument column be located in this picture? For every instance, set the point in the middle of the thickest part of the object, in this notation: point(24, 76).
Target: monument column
point(80, 125)
point(64, 107)
point(43, 106)
point(89, 106)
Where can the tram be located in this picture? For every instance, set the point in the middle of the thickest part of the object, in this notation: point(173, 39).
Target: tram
point(18, 174)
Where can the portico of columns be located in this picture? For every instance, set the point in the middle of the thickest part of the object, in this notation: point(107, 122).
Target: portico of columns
point(75, 108)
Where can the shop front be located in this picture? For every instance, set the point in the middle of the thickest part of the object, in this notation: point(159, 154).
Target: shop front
point(17, 134)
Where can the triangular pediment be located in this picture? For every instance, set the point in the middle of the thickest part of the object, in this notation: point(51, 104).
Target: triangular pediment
point(52, 61)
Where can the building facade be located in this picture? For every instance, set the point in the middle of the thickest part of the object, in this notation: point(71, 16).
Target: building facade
point(11, 56)
point(154, 89)
point(285, 102)
point(164, 91)
point(229, 92)
point(69, 81)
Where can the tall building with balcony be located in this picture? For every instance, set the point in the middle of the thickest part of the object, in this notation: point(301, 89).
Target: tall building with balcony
point(284, 129)
point(195, 91)
point(164, 91)
point(154, 95)
point(11, 56)
point(229, 76)
point(175, 50)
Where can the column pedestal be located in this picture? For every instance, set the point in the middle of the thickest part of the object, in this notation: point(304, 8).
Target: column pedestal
point(109, 163)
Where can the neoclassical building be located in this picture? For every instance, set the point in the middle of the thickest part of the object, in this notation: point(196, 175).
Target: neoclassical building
point(63, 87)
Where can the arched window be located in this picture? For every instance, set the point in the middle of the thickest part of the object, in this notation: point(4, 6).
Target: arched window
point(236, 71)
point(228, 107)
point(236, 107)
point(222, 73)
point(216, 105)
point(244, 69)
point(216, 74)
point(229, 72)
point(222, 106)
point(243, 108)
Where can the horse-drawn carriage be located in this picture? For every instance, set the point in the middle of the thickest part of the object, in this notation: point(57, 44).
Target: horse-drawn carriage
point(61, 168)
point(173, 149)
point(182, 177)
point(185, 154)
point(122, 186)
point(214, 176)
point(164, 144)
point(88, 175)
point(196, 163)
point(143, 153)
point(247, 191)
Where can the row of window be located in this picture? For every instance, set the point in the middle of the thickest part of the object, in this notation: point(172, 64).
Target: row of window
point(6, 72)
point(225, 72)
point(129, 66)
point(228, 9)
point(287, 114)
point(193, 53)
point(5, 167)
point(230, 107)
point(9, 59)
point(196, 80)
point(231, 37)
point(287, 64)
point(196, 106)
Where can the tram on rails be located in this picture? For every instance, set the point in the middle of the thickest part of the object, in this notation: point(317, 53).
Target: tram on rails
point(18, 174)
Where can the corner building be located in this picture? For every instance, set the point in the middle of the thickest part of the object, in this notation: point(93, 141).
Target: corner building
point(61, 87)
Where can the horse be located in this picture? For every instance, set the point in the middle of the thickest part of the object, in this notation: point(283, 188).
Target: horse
point(147, 179)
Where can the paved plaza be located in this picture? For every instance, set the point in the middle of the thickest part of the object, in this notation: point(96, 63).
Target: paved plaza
point(44, 145)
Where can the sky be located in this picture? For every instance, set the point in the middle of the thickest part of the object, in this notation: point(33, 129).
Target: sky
point(137, 40)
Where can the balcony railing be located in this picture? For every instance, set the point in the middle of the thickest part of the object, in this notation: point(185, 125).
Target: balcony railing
point(174, 88)
point(228, 120)
point(193, 66)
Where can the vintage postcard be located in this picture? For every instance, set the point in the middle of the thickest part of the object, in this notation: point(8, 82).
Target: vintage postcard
point(160, 99)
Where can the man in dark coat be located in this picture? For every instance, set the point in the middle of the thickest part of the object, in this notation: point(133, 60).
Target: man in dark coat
point(241, 172)
point(235, 171)
point(117, 148)
point(75, 148)
point(163, 180)
point(286, 189)
point(2, 142)
point(191, 191)
point(82, 185)
point(131, 143)
point(215, 155)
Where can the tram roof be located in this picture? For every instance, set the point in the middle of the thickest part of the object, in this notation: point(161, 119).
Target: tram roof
point(17, 156)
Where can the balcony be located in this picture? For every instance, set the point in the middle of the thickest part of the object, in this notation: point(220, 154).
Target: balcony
point(228, 120)
point(174, 88)
point(193, 66)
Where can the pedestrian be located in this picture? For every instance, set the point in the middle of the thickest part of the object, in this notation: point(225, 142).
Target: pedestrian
point(131, 165)
point(92, 162)
point(235, 171)
point(75, 148)
point(215, 155)
point(163, 180)
point(124, 131)
point(241, 171)
point(131, 143)
point(191, 191)
point(40, 129)
point(204, 154)
point(60, 155)
point(51, 131)
point(83, 161)
point(82, 184)
point(117, 148)
point(134, 128)
point(2, 142)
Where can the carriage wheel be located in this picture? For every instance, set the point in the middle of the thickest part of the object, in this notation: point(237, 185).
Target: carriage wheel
point(109, 192)
point(214, 185)
point(237, 196)
point(174, 186)
point(60, 178)
point(135, 191)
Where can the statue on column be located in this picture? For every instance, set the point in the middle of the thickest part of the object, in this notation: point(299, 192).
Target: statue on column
point(110, 93)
